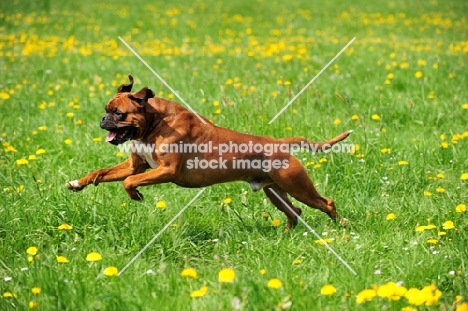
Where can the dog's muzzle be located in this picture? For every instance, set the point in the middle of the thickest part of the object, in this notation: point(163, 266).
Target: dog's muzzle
point(117, 135)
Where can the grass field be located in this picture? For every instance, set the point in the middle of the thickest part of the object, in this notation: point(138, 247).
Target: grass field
point(401, 86)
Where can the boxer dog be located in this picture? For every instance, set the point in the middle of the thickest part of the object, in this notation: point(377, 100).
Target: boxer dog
point(264, 162)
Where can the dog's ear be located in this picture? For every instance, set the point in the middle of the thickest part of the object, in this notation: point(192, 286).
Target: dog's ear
point(142, 96)
point(126, 87)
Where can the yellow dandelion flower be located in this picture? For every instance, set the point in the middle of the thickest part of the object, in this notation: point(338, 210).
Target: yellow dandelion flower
point(40, 151)
point(33, 304)
point(427, 193)
point(440, 175)
point(337, 121)
point(20, 188)
point(421, 62)
point(64, 227)
point(226, 275)
point(402, 162)
point(462, 307)
point(36, 290)
point(420, 228)
point(431, 294)
point(93, 256)
point(68, 141)
point(323, 241)
point(30, 258)
point(9, 295)
point(227, 200)
point(262, 271)
point(189, 273)
point(375, 117)
point(365, 295)
point(161, 204)
point(355, 117)
point(418, 74)
point(70, 114)
point(386, 150)
point(110, 271)
point(465, 106)
point(265, 216)
point(390, 216)
point(216, 103)
point(42, 128)
point(32, 250)
point(217, 111)
point(404, 65)
point(297, 261)
point(432, 241)
point(464, 176)
point(274, 283)
point(386, 290)
point(22, 161)
point(440, 190)
point(10, 148)
point(460, 208)
point(276, 222)
point(120, 154)
point(408, 309)
point(441, 233)
point(448, 225)
point(62, 259)
point(199, 292)
point(323, 160)
point(444, 145)
point(97, 139)
point(79, 122)
point(328, 290)
point(32, 157)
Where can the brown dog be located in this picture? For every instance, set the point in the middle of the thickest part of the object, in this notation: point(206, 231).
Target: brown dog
point(202, 153)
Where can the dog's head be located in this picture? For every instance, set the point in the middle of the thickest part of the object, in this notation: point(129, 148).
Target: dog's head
point(125, 117)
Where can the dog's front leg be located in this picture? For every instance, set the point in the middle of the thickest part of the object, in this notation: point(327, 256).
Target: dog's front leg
point(133, 165)
point(162, 174)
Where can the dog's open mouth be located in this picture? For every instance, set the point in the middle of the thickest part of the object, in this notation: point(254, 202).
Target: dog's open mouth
point(119, 136)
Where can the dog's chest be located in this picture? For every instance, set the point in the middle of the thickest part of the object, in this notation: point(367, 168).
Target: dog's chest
point(145, 152)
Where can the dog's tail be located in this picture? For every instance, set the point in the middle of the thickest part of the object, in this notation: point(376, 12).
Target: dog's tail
point(301, 142)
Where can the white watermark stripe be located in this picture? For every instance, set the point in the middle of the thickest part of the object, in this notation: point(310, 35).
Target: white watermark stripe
point(311, 81)
point(162, 80)
point(161, 231)
point(314, 233)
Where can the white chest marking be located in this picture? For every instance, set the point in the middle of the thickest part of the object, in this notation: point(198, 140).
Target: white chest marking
point(145, 152)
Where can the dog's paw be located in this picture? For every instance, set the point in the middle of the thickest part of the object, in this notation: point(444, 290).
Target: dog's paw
point(135, 195)
point(74, 185)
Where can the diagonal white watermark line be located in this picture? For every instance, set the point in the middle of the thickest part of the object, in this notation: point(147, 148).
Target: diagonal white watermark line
point(161, 231)
point(312, 81)
point(314, 233)
point(162, 80)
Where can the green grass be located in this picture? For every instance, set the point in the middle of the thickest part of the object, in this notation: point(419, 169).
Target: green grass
point(58, 59)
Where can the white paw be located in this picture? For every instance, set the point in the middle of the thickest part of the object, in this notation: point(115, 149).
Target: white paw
point(73, 185)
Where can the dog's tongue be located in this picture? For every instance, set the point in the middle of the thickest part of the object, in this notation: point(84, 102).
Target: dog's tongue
point(111, 136)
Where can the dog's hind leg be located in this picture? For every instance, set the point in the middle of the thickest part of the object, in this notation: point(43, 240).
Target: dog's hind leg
point(280, 198)
point(295, 181)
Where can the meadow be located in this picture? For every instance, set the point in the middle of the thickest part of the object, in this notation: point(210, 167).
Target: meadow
point(401, 86)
